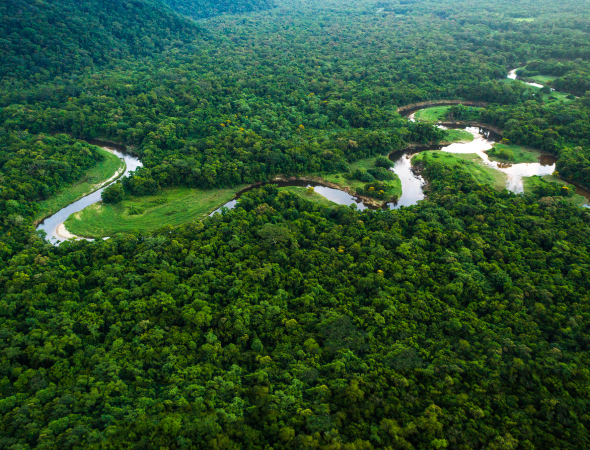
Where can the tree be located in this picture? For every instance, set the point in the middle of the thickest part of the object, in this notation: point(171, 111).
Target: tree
point(275, 234)
point(113, 193)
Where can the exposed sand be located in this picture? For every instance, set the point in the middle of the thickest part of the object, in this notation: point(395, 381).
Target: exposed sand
point(63, 233)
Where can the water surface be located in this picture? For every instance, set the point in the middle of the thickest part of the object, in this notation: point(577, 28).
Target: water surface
point(51, 224)
point(483, 140)
point(335, 195)
point(512, 75)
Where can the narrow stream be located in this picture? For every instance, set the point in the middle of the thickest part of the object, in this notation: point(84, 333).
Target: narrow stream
point(53, 225)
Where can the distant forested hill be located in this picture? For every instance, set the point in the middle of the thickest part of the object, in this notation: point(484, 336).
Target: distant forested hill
point(209, 8)
point(41, 37)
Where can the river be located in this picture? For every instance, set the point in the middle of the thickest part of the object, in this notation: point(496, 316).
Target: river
point(411, 182)
point(53, 225)
point(334, 195)
point(483, 140)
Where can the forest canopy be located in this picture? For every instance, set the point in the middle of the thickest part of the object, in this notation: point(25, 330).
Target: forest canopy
point(457, 322)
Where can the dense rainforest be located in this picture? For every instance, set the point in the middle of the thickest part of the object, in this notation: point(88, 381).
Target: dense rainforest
point(458, 322)
point(44, 39)
point(200, 9)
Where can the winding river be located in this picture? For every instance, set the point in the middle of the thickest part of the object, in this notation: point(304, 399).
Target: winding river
point(483, 140)
point(411, 182)
point(54, 225)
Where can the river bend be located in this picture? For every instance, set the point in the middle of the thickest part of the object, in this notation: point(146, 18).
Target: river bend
point(53, 225)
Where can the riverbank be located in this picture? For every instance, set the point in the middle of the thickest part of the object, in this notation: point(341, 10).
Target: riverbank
point(409, 109)
point(470, 163)
point(53, 226)
point(174, 206)
point(515, 154)
point(177, 206)
point(103, 173)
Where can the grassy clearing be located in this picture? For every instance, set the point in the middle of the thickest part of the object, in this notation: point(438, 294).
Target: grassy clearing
point(432, 115)
point(308, 195)
point(530, 183)
point(101, 172)
point(513, 154)
point(394, 186)
point(524, 19)
point(543, 79)
point(553, 96)
point(455, 135)
point(170, 207)
point(471, 163)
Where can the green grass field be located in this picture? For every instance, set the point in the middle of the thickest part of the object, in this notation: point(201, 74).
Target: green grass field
point(543, 79)
point(471, 163)
point(455, 135)
point(556, 96)
point(531, 182)
point(520, 154)
point(551, 97)
point(395, 185)
point(104, 170)
point(432, 115)
point(308, 195)
point(170, 207)
point(525, 19)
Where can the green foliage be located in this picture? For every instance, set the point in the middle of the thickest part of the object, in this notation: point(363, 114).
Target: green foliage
point(501, 152)
point(206, 8)
point(40, 39)
point(113, 193)
point(233, 326)
point(461, 112)
point(375, 189)
point(381, 174)
point(574, 164)
point(383, 162)
point(459, 323)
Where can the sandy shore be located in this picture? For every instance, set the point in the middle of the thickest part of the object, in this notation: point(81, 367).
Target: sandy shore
point(63, 232)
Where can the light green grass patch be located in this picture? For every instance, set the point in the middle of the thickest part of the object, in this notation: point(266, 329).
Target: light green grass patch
point(469, 162)
point(520, 154)
point(530, 183)
point(308, 194)
point(457, 135)
point(395, 185)
point(432, 115)
point(557, 96)
point(90, 182)
point(554, 96)
point(524, 19)
point(543, 79)
point(169, 207)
